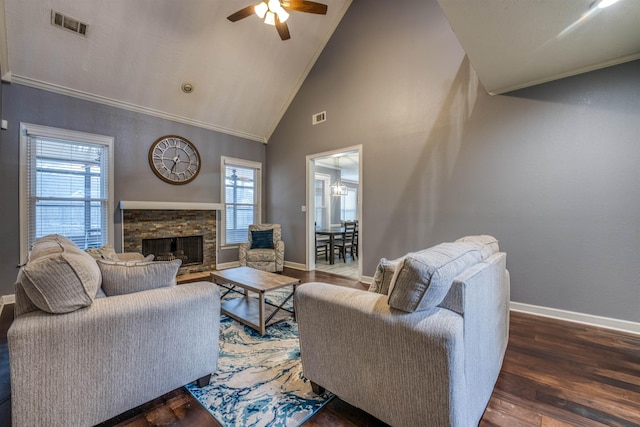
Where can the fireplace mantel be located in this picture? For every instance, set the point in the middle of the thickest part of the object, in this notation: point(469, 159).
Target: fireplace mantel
point(170, 206)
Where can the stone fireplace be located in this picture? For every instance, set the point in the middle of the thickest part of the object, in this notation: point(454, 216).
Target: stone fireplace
point(185, 231)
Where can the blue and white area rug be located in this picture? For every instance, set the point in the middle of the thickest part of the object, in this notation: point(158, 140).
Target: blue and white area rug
point(259, 381)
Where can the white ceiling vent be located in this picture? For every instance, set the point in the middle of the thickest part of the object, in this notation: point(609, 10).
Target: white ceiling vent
point(68, 23)
point(319, 118)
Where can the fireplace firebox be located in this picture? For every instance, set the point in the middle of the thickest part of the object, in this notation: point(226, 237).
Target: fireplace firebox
point(189, 249)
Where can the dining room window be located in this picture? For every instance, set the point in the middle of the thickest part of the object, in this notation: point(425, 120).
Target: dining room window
point(349, 203)
point(241, 199)
point(66, 186)
point(322, 200)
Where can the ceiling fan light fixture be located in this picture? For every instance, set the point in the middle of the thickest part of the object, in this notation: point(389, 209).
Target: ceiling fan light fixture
point(606, 3)
point(282, 15)
point(270, 18)
point(261, 9)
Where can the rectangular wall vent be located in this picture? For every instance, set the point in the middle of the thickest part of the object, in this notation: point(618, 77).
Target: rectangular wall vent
point(319, 118)
point(60, 20)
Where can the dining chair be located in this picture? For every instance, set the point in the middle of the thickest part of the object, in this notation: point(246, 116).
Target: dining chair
point(348, 241)
point(322, 247)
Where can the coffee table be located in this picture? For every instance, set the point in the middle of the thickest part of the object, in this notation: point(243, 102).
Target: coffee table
point(252, 311)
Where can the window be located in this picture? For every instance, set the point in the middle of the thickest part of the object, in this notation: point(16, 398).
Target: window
point(241, 198)
point(349, 206)
point(66, 186)
point(322, 200)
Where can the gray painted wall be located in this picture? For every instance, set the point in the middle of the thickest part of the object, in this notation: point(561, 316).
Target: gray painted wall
point(551, 171)
point(134, 180)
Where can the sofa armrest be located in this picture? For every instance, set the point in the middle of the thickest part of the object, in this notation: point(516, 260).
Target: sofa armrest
point(382, 360)
point(116, 354)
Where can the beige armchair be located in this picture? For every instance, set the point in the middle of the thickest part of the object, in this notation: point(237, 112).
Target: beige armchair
point(265, 249)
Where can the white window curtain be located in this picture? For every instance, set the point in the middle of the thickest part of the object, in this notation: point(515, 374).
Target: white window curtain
point(241, 198)
point(66, 183)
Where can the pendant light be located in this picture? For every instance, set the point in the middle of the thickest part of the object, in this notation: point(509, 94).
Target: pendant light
point(338, 189)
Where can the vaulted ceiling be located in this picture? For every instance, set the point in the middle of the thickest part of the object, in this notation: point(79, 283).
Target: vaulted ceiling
point(137, 54)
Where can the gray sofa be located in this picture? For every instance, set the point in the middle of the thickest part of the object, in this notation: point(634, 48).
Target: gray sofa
point(94, 338)
point(424, 346)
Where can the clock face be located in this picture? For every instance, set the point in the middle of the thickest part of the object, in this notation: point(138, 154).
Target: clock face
point(174, 159)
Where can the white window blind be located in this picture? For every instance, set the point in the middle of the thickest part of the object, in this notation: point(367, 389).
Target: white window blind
point(67, 186)
point(241, 195)
point(349, 207)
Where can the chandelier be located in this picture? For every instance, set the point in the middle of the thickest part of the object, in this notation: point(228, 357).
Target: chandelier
point(338, 189)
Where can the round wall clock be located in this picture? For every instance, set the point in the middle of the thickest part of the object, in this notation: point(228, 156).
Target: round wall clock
point(174, 159)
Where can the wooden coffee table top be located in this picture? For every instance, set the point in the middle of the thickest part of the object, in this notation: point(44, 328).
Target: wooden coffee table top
point(252, 279)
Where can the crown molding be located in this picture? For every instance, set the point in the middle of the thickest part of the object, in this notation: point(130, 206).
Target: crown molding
point(50, 87)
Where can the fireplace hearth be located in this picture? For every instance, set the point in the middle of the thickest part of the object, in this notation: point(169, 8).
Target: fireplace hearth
point(188, 249)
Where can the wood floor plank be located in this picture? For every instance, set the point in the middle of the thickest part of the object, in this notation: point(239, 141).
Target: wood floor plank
point(555, 374)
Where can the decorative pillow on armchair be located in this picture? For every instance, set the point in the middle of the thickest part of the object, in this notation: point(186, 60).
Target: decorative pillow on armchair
point(119, 278)
point(383, 275)
point(422, 279)
point(261, 239)
point(62, 282)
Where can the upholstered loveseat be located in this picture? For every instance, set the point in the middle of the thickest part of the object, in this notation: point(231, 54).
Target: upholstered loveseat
point(94, 338)
point(424, 346)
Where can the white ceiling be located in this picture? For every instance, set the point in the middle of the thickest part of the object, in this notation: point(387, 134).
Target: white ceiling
point(518, 43)
point(347, 163)
point(138, 53)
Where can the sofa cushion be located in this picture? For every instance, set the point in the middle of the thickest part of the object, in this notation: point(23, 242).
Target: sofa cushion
point(383, 275)
point(262, 239)
point(119, 278)
point(105, 252)
point(422, 279)
point(488, 245)
point(61, 282)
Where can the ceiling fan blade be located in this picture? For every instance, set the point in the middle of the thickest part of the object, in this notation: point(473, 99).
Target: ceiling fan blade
point(242, 13)
point(283, 29)
point(305, 6)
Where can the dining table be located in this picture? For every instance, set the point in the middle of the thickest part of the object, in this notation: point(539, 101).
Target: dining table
point(332, 232)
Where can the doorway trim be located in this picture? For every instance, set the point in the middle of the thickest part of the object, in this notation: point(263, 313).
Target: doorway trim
point(310, 205)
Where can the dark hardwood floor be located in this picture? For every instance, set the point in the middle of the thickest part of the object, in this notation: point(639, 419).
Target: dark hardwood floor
point(555, 374)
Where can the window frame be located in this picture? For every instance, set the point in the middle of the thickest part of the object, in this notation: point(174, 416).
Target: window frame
point(29, 129)
point(257, 166)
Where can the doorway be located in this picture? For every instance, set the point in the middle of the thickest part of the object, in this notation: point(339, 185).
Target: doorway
point(333, 198)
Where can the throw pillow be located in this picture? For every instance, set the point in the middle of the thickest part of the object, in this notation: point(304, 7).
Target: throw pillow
point(119, 278)
point(61, 282)
point(106, 252)
point(261, 239)
point(423, 279)
point(383, 275)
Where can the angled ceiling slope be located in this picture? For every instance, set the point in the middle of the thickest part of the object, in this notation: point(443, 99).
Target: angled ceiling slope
point(514, 44)
point(137, 54)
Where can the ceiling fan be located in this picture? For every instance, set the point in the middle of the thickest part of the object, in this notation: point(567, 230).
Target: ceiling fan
point(274, 12)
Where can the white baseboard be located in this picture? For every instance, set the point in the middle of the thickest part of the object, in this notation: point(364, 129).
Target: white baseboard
point(6, 299)
point(226, 265)
point(295, 265)
point(366, 279)
point(572, 316)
